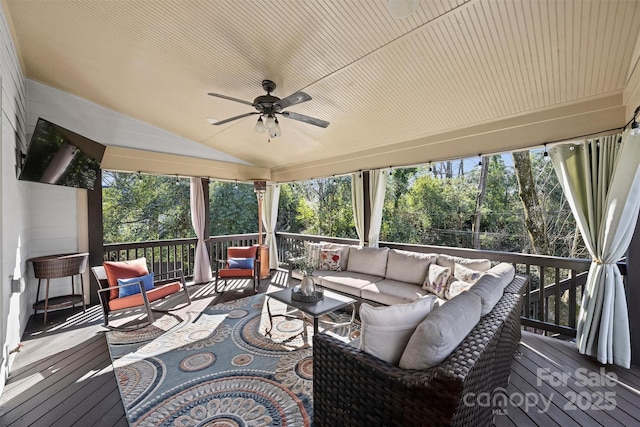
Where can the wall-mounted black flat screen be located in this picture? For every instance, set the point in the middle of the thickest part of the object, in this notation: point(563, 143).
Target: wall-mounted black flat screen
point(61, 157)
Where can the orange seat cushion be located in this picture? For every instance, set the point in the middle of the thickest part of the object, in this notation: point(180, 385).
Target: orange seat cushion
point(124, 270)
point(136, 299)
point(235, 272)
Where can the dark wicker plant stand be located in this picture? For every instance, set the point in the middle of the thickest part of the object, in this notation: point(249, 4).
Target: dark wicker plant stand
point(56, 266)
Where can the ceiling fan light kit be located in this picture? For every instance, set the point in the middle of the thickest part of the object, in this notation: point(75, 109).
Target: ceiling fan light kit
point(267, 106)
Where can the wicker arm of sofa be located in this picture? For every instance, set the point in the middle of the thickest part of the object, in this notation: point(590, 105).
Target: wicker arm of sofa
point(352, 387)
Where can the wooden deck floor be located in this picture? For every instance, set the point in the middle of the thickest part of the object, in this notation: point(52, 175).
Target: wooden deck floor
point(63, 377)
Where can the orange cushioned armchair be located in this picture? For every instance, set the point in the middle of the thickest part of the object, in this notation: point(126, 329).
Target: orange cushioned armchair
point(128, 284)
point(241, 263)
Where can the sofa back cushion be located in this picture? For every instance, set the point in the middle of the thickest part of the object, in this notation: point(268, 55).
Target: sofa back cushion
point(474, 264)
point(441, 332)
point(372, 261)
point(410, 267)
point(490, 286)
point(385, 331)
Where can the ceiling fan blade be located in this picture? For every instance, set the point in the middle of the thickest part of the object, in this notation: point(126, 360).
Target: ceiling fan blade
point(221, 122)
point(293, 99)
point(230, 98)
point(306, 119)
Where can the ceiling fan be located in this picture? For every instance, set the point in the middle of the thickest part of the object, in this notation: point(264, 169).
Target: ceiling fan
point(268, 106)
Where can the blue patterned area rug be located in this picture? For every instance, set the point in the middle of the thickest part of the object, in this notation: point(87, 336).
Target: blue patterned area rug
point(218, 367)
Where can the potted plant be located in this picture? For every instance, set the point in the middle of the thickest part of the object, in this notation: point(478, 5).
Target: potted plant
point(306, 267)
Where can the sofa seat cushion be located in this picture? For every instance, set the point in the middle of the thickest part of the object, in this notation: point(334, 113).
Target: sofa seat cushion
point(152, 295)
point(490, 286)
point(371, 261)
point(348, 282)
point(385, 331)
point(393, 292)
point(441, 332)
point(317, 275)
point(410, 267)
point(235, 272)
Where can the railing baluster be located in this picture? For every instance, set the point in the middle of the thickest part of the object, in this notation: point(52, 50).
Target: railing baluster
point(557, 297)
point(542, 306)
point(527, 296)
point(572, 300)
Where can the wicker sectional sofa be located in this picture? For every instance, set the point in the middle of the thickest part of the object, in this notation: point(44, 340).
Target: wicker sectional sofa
point(352, 387)
point(355, 387)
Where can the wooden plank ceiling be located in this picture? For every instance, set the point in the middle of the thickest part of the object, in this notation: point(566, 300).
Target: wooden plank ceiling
point(386, 85)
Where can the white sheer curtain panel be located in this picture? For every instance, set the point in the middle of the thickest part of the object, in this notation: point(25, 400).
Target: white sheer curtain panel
point(601, 179)
point(270, 219)
point(357, 202)
point(377, 191)
point(201, 265)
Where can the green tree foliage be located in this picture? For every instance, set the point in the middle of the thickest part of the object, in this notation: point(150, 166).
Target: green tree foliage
point(435, 206)
point(137, 208)
point(432, 205)
point(502, 211)
point(318, 207)
point(291, 201)
point(233, 208)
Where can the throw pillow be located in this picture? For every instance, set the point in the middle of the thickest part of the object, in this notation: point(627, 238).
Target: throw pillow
point(123, 270)
point(313, 252)
point(243, 263)
point(455, 288)
point(438, 335)
point(134, 288)
point(462, 280)
point(437, 279)
point(386, 330)
point(330, 259)
point(466, 274)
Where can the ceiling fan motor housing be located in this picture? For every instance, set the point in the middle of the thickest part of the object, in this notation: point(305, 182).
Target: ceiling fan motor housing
point(264, 103)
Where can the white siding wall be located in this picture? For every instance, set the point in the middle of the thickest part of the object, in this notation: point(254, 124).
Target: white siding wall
point(14, 204)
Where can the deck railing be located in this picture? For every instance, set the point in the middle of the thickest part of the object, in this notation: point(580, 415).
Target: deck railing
point(167, 255)
point(553, 311)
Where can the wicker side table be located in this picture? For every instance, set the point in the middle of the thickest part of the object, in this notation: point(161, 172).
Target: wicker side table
point(56, 266)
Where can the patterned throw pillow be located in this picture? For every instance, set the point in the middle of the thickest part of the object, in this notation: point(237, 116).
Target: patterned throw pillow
point(313, 252)
point(462, 280)
point(437, 279)
point(466, 274)
point(330, 259)
point(456, 287)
